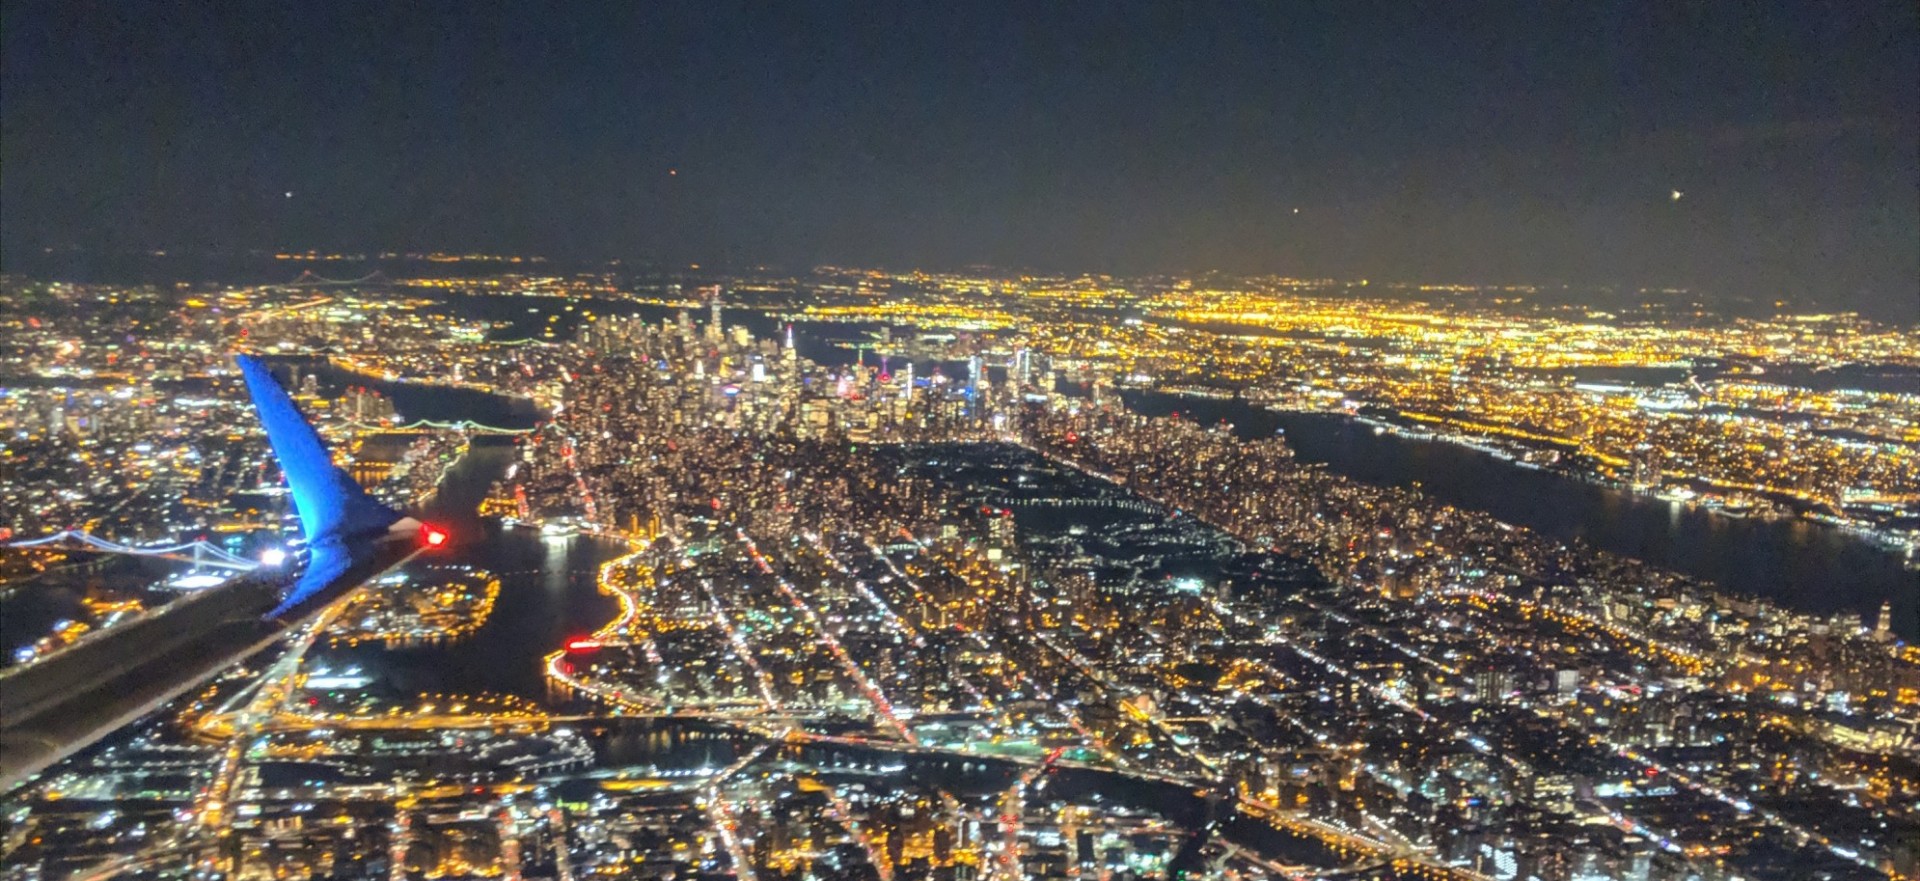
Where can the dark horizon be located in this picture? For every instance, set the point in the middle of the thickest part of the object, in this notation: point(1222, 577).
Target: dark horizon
point(1504, 144)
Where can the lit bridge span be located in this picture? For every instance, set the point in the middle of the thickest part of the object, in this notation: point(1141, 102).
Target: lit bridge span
point(1140, 506)
point(311, 279)
point(198, 553)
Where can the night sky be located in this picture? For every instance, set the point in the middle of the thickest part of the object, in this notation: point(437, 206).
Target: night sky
point(1524, 142)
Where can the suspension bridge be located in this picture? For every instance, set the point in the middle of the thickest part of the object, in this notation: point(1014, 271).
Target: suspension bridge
point(310, 279)
point(199, 553)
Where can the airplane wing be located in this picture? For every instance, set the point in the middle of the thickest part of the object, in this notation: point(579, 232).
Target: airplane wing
point(53, 707)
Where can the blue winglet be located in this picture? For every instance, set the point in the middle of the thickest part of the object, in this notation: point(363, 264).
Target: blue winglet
point(329, 502)
point(334, 511)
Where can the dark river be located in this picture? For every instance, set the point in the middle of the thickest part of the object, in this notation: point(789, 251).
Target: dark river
point(547, 586)
point(1801, 565)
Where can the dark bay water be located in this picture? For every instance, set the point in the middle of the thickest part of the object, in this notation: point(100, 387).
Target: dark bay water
point(1801, 565)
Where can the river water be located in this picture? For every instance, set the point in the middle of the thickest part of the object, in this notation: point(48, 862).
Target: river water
point(1800, 565)
point(547, 586)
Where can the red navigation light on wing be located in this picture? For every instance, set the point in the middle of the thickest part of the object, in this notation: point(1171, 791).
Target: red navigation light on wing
point(432, 536)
